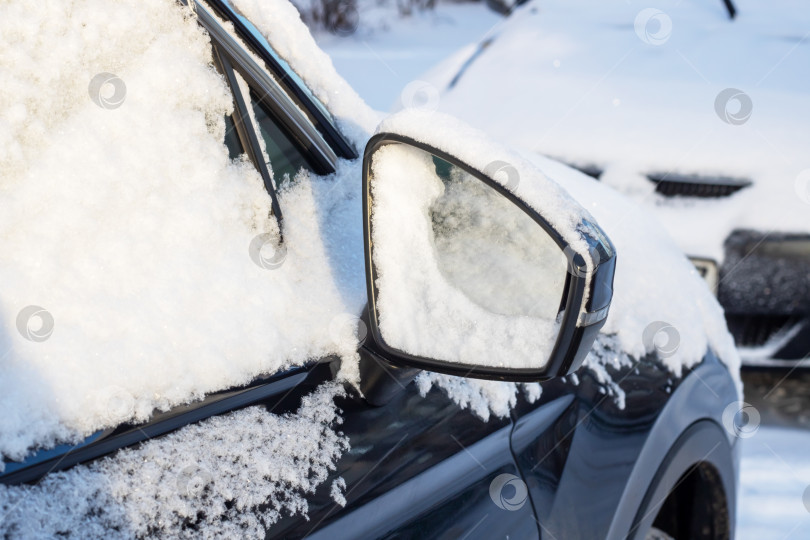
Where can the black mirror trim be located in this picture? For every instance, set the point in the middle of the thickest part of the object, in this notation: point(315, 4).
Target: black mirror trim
point(577, 329)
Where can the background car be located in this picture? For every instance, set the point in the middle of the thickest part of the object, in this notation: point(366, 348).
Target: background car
point(695, 114)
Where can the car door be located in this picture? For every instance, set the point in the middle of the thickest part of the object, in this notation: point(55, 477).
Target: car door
point(419, 466)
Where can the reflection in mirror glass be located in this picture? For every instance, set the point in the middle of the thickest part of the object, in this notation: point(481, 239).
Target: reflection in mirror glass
point(462, 274)
point(493, 251)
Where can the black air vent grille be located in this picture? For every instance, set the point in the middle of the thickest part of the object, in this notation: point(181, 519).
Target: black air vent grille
point(670, 185)
point(586, 168)
point(757, 330)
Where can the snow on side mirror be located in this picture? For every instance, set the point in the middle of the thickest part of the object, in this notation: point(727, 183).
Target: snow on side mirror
point(466, 278)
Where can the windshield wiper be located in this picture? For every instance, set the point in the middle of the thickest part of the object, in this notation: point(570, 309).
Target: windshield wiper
point(732, 11)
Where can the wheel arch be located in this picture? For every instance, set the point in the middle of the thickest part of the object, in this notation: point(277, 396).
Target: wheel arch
point(692, 494)
point(688, 432)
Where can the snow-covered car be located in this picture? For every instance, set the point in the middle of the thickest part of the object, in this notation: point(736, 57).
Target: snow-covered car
point(696, 115)
point(222, 318)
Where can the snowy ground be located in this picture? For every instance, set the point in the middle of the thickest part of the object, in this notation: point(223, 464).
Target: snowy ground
point(387, 54)
point(775, 474)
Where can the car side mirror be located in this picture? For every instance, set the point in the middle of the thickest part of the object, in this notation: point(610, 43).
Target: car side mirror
point(465, 277)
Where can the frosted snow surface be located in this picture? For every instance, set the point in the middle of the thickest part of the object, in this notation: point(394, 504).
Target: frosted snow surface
point(230, 476)
point(636, 88)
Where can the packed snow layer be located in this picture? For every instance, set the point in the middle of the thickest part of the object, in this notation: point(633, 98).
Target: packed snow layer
point(636, 89)
point(230, 476)
point(131, 227)
point(774, 494)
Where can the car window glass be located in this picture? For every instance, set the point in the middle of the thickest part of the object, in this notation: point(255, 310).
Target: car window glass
point(286, 159)
point(232, 138)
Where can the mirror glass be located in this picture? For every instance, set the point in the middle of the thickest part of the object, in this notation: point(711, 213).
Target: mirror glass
point(462, 274)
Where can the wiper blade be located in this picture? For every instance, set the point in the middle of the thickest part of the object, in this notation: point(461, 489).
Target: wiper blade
point(732, 11)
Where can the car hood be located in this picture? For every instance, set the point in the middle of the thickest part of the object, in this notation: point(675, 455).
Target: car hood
point(675, 90)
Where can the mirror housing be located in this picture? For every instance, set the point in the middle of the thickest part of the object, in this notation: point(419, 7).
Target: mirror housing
point(585, 297)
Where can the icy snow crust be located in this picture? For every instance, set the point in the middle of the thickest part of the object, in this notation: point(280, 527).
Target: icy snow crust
point(231, 476)
point(578, 81)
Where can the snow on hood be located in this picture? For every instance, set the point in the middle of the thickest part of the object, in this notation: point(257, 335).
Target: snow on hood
point(654, 282)
point(634, 89)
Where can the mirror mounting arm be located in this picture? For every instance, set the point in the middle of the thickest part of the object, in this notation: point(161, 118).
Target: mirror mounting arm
point(380, 380)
